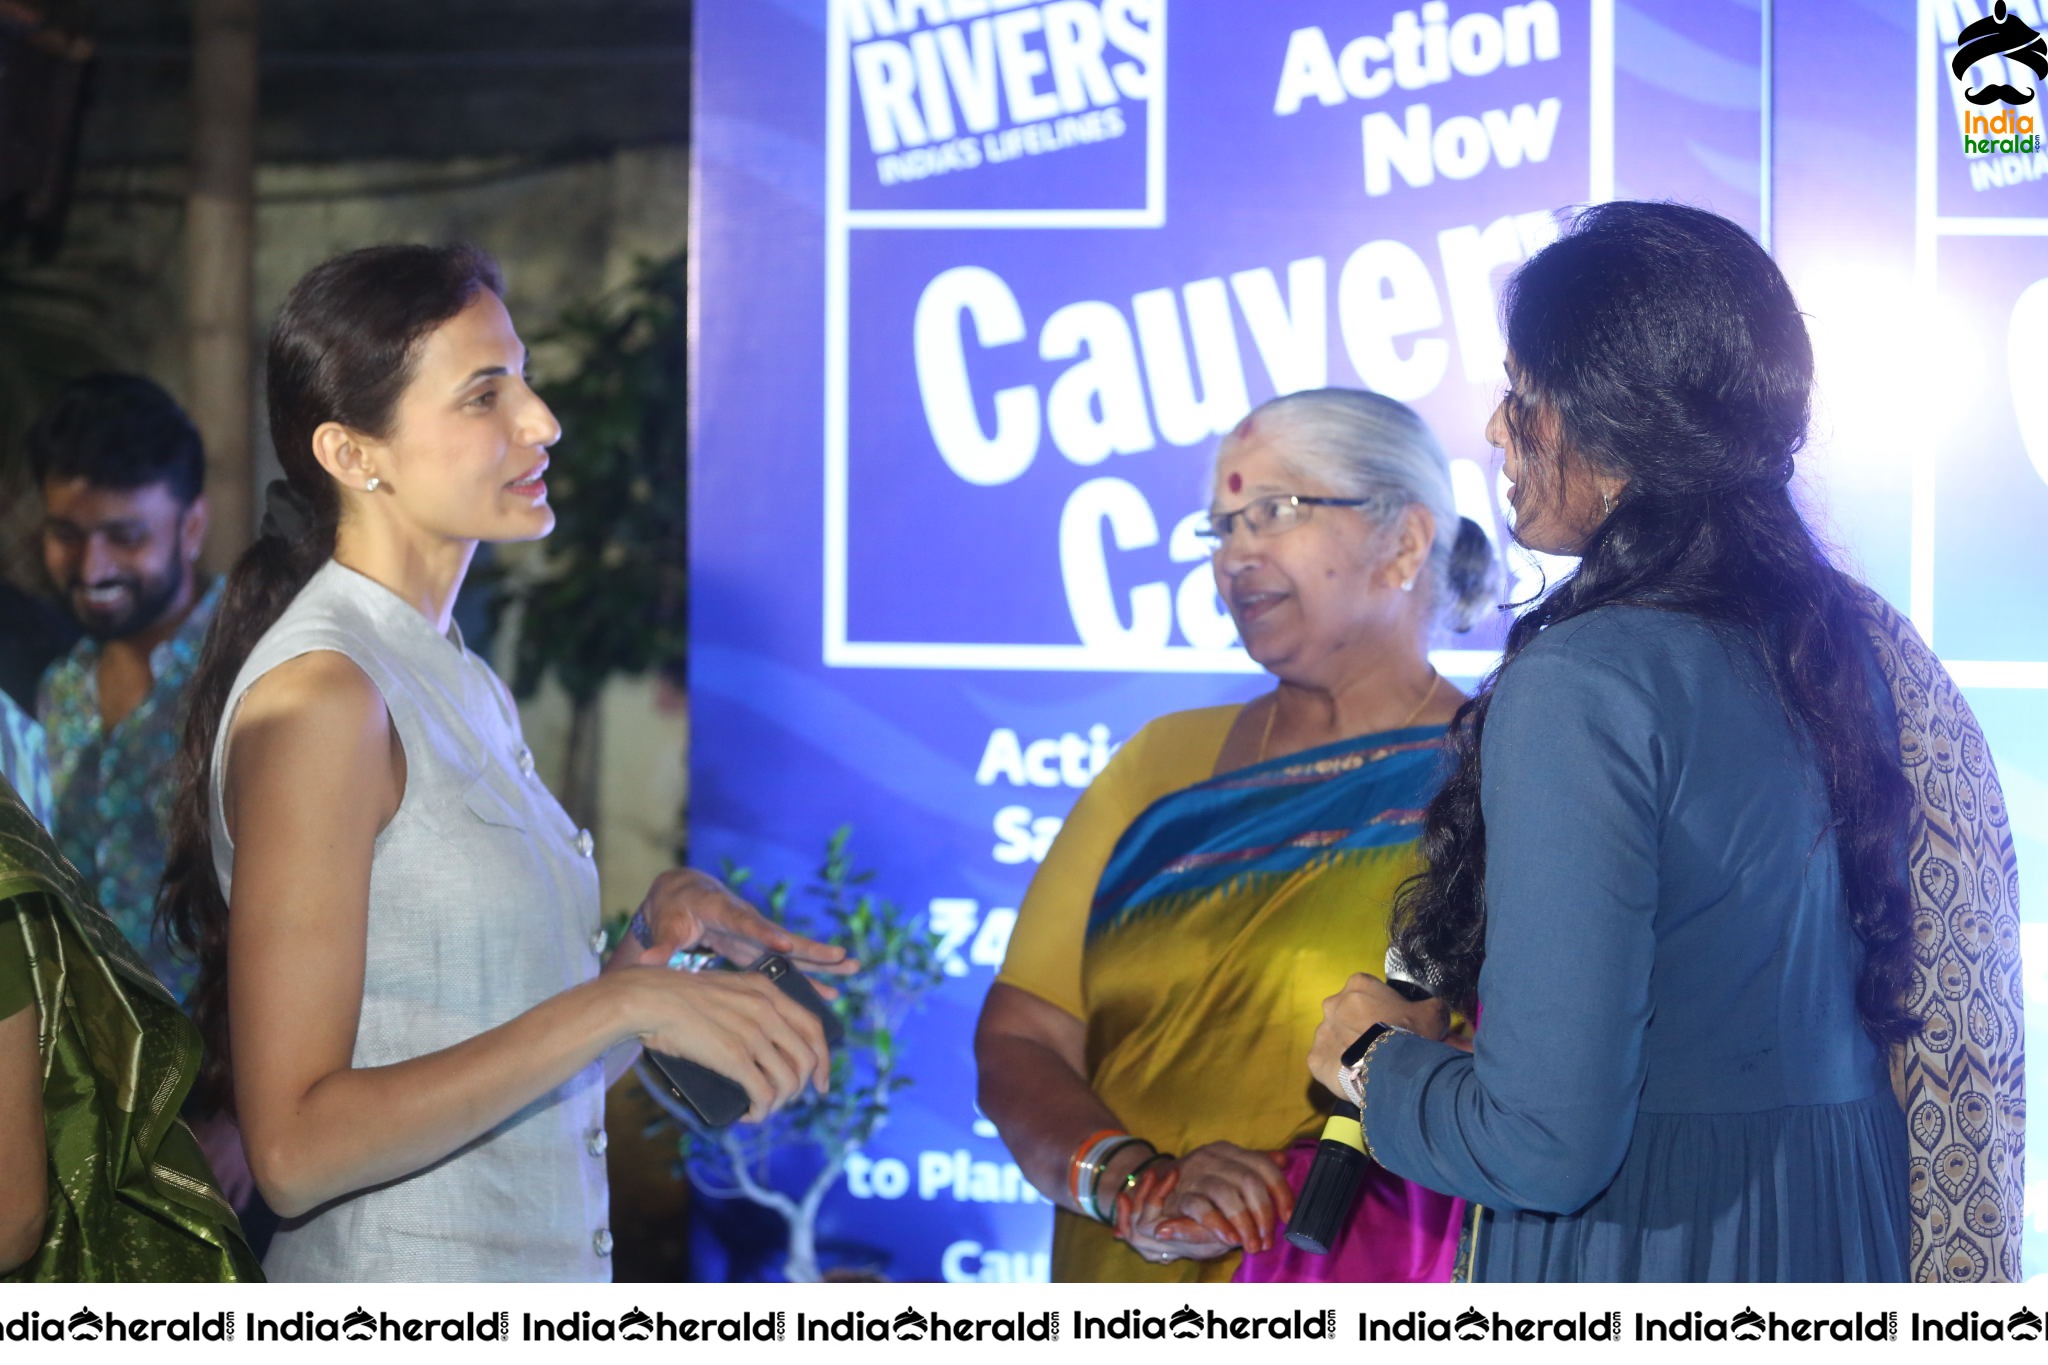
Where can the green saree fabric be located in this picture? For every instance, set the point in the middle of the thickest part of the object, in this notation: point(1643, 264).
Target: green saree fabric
point(130, 1195)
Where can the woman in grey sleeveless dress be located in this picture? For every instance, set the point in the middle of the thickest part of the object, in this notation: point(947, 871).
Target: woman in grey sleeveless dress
point(403, 919)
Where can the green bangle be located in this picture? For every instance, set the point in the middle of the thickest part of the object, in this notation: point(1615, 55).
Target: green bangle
point(1131, 1177)
point(1093, 1203)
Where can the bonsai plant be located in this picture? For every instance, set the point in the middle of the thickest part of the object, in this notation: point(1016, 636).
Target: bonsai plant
point(899, 964)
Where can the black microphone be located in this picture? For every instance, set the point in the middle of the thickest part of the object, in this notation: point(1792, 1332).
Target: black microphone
point(1330, 1191)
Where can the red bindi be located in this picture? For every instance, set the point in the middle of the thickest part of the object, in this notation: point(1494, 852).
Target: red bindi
point(1236, 482)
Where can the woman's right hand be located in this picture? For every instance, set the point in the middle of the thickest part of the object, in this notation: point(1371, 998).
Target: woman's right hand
point(736, 1023)
point(1365, 1001)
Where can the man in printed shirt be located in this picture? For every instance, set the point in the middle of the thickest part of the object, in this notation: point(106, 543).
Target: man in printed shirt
point(121, 470)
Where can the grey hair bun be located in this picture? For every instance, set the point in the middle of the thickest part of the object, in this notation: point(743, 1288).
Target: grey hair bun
point(1474, 576)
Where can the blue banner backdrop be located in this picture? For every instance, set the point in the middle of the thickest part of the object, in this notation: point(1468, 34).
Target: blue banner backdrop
point(980, 282)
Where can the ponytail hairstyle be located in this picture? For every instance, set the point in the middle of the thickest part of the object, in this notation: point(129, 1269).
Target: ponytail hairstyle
point(344, 348)
point(1661, 344)
point(1364, 445)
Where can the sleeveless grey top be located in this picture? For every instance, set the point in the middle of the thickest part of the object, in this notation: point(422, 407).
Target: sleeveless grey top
point(483, 903)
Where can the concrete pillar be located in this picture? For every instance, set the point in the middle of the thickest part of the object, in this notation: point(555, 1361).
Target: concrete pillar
point(220, 244)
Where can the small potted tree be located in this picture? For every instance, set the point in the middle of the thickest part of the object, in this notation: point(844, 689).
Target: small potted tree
point(900, 963)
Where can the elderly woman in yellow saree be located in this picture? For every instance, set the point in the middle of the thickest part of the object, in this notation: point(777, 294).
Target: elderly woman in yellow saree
point(1143, 1035)
point(99, 1178)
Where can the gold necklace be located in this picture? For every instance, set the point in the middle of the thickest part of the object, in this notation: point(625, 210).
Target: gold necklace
point(1266, 734)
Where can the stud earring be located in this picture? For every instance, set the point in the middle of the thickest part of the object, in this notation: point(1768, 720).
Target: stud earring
point(1409, 586)
point(373, 485)
point(1606, 503)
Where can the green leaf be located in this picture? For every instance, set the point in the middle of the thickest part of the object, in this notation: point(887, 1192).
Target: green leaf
point(899, 968)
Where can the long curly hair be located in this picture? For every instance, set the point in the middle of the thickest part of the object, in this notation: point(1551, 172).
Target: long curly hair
point(1661, 344)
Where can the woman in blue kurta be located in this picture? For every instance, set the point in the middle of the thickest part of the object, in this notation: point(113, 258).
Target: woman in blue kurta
point(1669, 867)
point(1672, 1082)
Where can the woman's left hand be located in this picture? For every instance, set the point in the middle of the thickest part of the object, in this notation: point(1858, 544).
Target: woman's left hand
point(688, 909)
point(1365, 1001)
point(1146, 1221)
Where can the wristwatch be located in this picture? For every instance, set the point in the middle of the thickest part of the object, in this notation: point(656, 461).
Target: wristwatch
point(682, 959)
point(1352, 1065)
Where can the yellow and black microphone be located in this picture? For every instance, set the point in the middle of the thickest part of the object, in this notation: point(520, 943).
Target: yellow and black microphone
point(1327, 1196)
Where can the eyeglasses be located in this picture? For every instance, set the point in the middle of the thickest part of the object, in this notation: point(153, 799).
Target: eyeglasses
point(1273, 515)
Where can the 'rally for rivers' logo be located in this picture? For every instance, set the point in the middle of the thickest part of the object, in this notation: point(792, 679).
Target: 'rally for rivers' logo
point(947, 90)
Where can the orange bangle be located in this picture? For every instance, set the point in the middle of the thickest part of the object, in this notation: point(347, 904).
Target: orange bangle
point(1077, 1163)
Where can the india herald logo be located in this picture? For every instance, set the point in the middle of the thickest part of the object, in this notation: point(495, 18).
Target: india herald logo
point(2000, 34)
